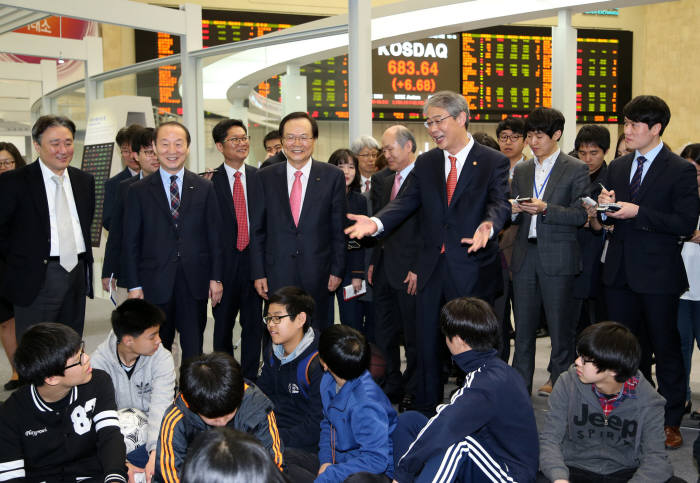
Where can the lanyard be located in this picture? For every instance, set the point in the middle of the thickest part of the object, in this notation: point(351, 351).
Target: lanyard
point(541, 190)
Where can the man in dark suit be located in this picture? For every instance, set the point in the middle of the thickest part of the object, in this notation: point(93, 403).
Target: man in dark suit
point(393, 268)
point(299, 240)
point(113, 265)
point(45, 219)
point(643, 272)
point(172, 243)
point(131, 169)
point(239, 195)
point(461, 189)
point(546, 255)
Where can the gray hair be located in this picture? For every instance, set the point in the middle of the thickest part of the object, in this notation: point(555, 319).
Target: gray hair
point(404, 135)
point(450, 101)
point(364, 142)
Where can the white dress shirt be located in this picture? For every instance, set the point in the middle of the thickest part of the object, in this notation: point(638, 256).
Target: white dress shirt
point(363, 183)
point(542, 172)
point(50, 186)
point(230, 173)
point(461, 158)
point(305, 170)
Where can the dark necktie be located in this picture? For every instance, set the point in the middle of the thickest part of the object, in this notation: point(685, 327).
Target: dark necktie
point(637, 178)
point(174, 198)
point(240, 208)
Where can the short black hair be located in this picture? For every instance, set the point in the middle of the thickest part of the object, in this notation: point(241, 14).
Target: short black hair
point(173, 123)
point(212, 384)
point(611, 346)
point(221, 129)
point(295, 301)
point(299, 115)
point(134, 316)
point(473, 321)
point(45, 122)
point(514, 124)
point(14, 152)
point(345, 156)
point(122, 136)
point(546, 120)
point(142, 138)
point(593, 134)
point(650, 110)
point(345, 351)
point(691, 151)
point(44, 350)
point(275, 134)
point(486, 140)
point(224, 455)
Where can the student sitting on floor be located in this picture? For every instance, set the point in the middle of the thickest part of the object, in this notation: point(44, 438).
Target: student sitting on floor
point(142, 372)
point(487, 431)
point(213, 394)
point(604, 420)
point(63, 426)
point(358, 419)
point(291, 374)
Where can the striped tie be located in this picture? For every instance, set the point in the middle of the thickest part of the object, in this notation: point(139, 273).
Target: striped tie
point(637, 178)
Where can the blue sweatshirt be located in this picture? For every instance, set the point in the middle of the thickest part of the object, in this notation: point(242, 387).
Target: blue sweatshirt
point(493, 408)
point(356, 429)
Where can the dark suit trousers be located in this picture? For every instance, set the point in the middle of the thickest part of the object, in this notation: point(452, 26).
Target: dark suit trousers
point(240, 297)
point(657, 314)
point(61, 299)
point(185, 314)
point(532, 289)
point(395, 311)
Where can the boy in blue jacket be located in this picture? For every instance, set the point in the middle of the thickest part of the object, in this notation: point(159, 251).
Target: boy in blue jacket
point(487, 431)
point(357, 416)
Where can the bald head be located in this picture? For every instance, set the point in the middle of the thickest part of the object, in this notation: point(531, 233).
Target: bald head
point(399, 147)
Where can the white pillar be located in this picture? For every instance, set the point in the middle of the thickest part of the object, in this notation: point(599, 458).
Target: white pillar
point(360, 67)
point(564, 76)
point(49, 82)
point(93, 65)
point(191, 82)
point(293, 90)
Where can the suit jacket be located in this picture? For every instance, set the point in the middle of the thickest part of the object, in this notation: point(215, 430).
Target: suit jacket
point(400, 249)
point(277, 158)
point(110, 201)
point(113, 263)
point(355, 260)
point(229, 228)
point(480, 195)
point(645, 251)
point(315, 249)
point(25, 233)
point(557, 244)
point(154, 244)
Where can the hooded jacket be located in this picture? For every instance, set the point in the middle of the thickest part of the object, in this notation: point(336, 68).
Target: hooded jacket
point(576, 433)
point(151, 387)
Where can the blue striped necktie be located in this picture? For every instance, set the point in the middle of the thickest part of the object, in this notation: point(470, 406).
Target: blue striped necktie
point(637, 178)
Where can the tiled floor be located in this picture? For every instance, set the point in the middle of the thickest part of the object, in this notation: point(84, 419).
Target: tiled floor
point(97, 326)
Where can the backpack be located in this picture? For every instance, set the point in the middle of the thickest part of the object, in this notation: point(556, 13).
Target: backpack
point(305, 368)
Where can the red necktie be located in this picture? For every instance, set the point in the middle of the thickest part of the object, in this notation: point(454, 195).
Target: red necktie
point(241, 217)
point(395, 188)
point(451, 179)
point(295, 197)
point(366, 185)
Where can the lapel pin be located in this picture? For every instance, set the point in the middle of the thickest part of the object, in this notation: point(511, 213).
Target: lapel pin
point(474, 163)
point(318, 179)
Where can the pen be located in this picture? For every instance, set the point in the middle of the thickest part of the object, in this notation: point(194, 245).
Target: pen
point(601, 185)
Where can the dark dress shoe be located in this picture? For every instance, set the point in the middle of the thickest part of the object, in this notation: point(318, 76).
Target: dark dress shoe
point(12, 384)
point(674, 440)
point(407, 402)
point(688, 407)
point(695, 415)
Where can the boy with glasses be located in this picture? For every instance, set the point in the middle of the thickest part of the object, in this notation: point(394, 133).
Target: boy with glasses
point(291, 374)
point(605, 421)
point(63, 426)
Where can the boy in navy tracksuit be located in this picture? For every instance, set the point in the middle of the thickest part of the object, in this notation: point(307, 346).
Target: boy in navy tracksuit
point(358, 419)
point(291, 373)
point(487, 432)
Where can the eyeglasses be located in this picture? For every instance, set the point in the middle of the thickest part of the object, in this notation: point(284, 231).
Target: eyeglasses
point(275, 319)
point(80, 357)
point(437, 122)
point(7, 163)
point(585, 360)
point(512, 138)
point(240, 140)
point(371, 154)
point(148, 152)
point(289, 139)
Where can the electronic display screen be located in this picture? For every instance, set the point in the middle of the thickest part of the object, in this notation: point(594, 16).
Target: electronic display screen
point(97, 160)
point(507, 71)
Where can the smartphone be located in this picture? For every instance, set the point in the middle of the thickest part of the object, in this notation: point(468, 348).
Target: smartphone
point(609, 207)
point(524, 200)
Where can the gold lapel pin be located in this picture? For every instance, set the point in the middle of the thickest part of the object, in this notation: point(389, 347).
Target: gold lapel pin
point(474, 163)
